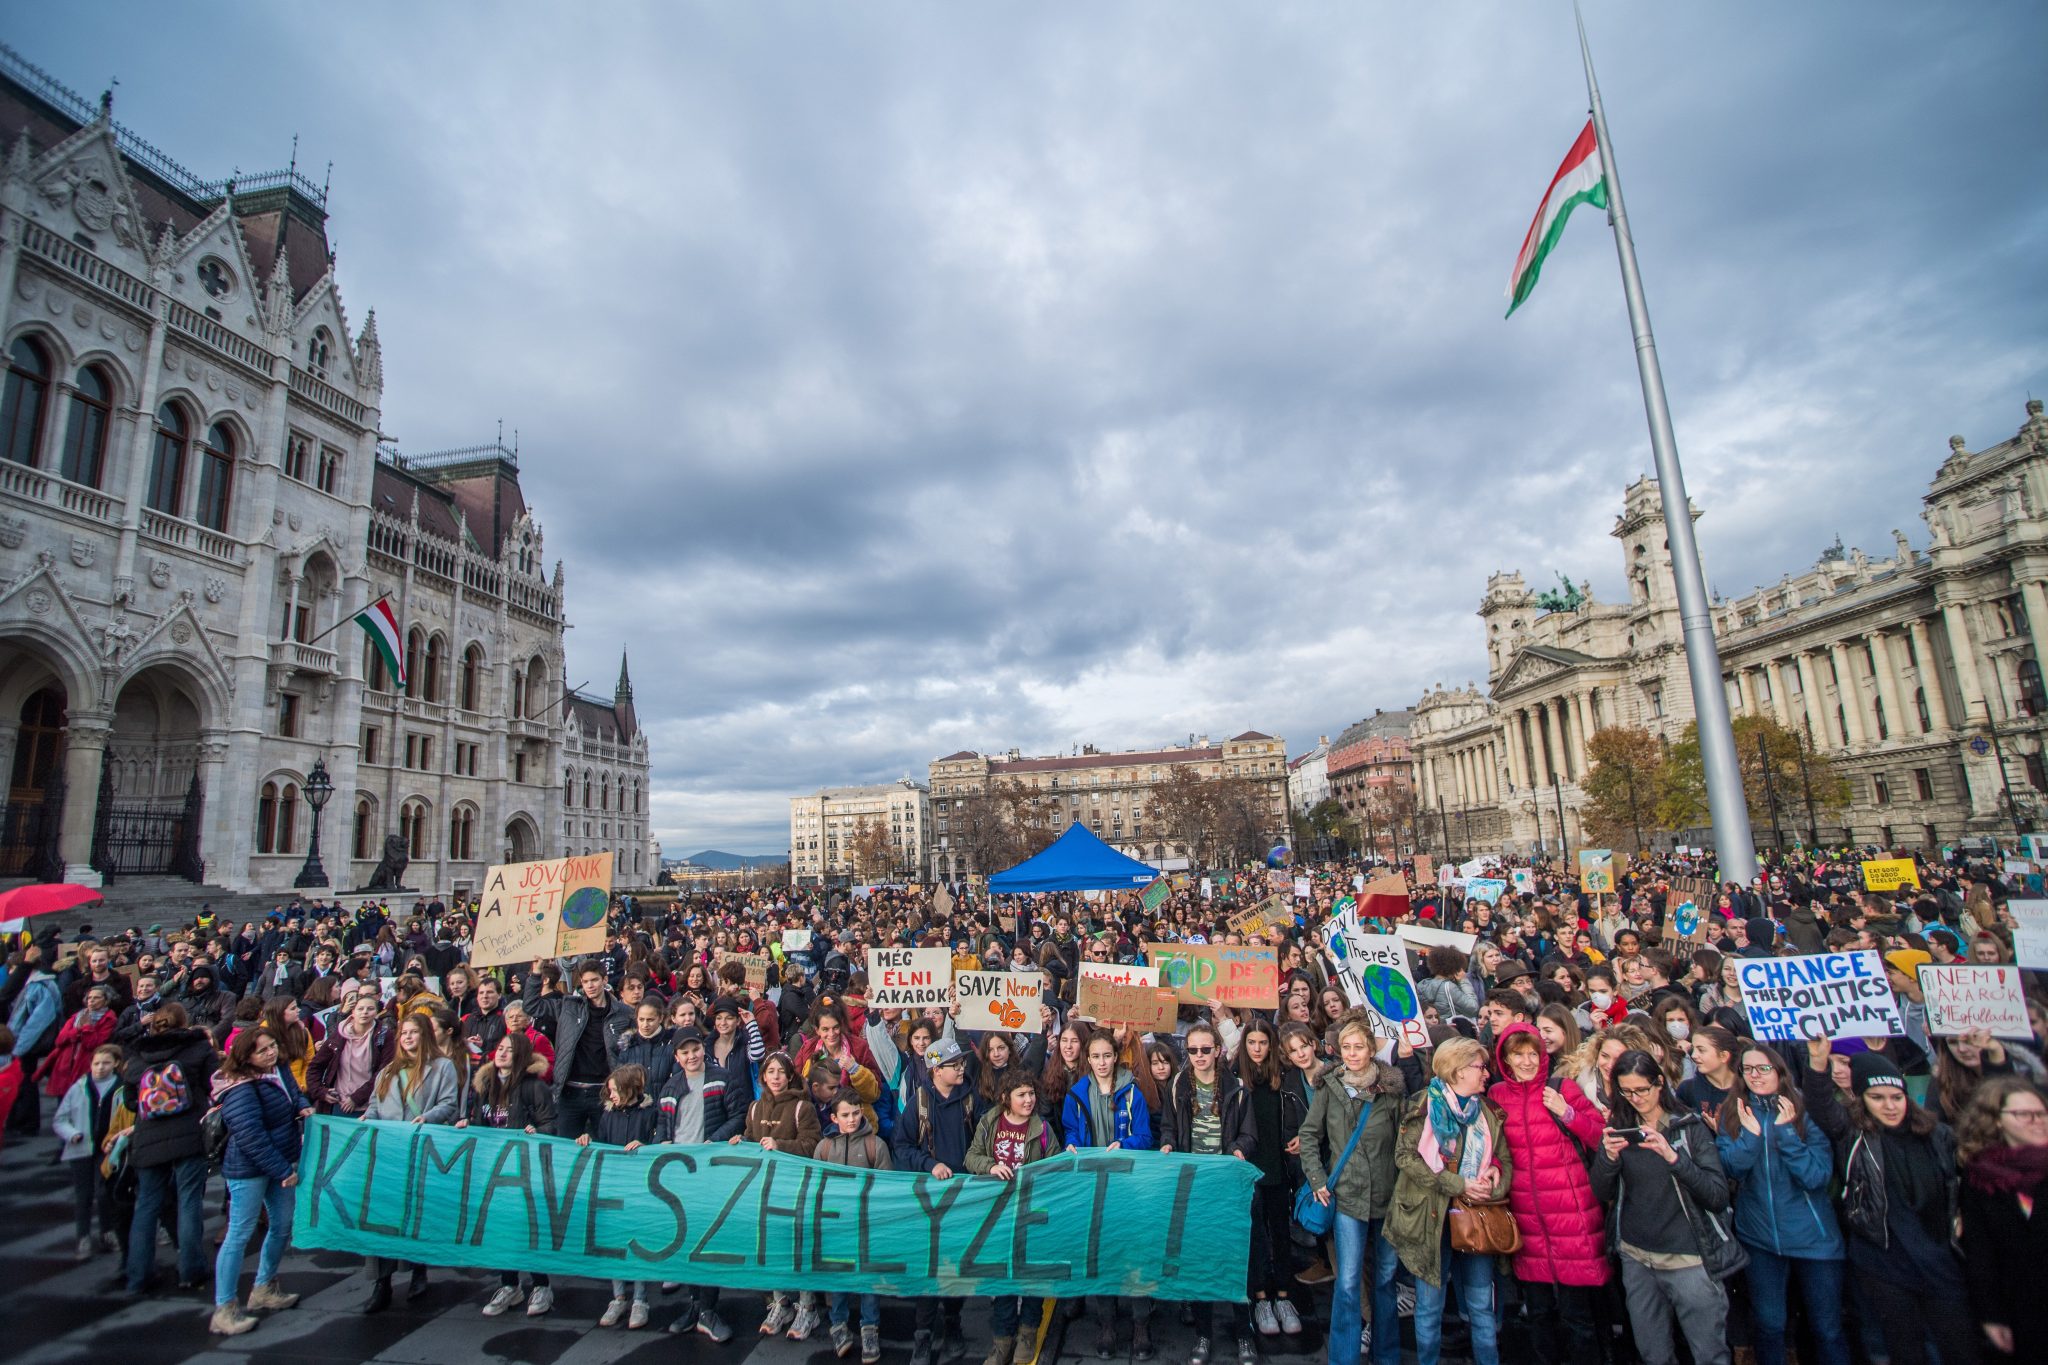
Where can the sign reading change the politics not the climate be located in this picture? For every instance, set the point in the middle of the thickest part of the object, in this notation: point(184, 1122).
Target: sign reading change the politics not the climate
point(552, 908)
point(1151, 1224)
point(1822, 995)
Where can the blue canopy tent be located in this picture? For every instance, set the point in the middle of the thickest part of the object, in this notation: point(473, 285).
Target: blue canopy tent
point(1077, 861)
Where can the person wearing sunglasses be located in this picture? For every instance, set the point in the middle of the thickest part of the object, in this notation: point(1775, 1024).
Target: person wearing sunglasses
point(1209, 1113)
point(2002, 1139)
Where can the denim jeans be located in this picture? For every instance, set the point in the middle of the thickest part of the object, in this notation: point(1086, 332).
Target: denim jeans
point(1821, 1284)
point(1351, 1239)
point(634, 1289)
point(1473, 1277)
point(152, 1185)
point(1006, 1312)
point(577, 1110)
point(246, 1197)
point(870, 1309)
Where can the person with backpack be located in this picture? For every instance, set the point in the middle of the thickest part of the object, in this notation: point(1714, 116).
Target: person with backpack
point(932, 1135)
point(83, 1116)
point(1551, 1130)
point(854, 1142)
point(167, 1080)
point(1009, 1138)
point(261, 1107)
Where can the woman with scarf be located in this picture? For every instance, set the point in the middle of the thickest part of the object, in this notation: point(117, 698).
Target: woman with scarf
point(2003, 1144)
point(83, 1034)
point(345, 1065)
point(1358, 1090)
point(419, 1085)
point(510, 1091)
point(1451, 1146)
point(1897, 1164)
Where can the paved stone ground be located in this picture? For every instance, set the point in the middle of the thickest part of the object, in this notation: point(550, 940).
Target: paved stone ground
point(56, 1311)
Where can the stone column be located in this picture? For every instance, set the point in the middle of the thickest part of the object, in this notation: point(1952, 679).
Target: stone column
point(2036, 603)
point(1929, 677)
point(1888, 689)
point(1587, 727)
point(1809, 683)
point(1745, 681)
point(1565, 740)
point(1963, 651)
point(1781, 697)
point(1849, 694)
point(1512, 746)
point(85, 747)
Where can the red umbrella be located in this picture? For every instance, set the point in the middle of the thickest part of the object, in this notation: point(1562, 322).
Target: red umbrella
point(24, 901)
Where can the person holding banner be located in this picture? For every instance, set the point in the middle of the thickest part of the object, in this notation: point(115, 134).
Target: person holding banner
point(631, 1120)
point(418, 1085)
point(1898, 1169)
point(510, 1091)
point(783, 1119)
point(2002, 1141)
point(1364, 1096)
point(1209, 1113)
point(1010, 1137)
point(1272, 1240)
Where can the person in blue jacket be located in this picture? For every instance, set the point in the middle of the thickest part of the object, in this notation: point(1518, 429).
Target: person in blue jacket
point(261, 1106)
point(1105, 1108)
point(1782, 1163)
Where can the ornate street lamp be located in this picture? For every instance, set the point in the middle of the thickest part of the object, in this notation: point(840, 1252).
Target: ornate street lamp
point(318, 788)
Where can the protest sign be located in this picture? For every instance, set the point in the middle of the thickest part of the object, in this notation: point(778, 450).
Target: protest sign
point(796, 940)
point(1425, 869)
point(2030, 933)
point(1097, 1222)
point(999, 1000)
point(942, 901)
point(552, 908)
point(1208, 889)
point(1487, 889)
point(1246, 977)
point(1820, 995)
point(1966, 997)
point(1154, 1009)
point(1373, 971)
point(1154, 896)
point(1254, 921)
point(1684, 925)
point(755, 964)
point(1426, 938)
point(1524, 880)
point(1123, 973)
point(1889, 874)
point(1384, 897)
point(1303, 889)
point(1474, 867)
point(909, 978)
point(1596, 870)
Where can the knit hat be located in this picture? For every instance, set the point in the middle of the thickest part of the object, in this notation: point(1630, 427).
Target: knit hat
point(1760, 932)
point(1906, 960)
point(1873, 1068)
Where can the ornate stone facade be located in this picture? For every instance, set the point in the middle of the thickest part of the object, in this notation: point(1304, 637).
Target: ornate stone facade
point(1918, 673)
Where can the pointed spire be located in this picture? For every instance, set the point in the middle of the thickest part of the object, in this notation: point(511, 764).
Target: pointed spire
point(370, 355)
point(415, 506)
point(19, 157)
point(622, 702)
point(277, 294)
point(625, 689)
point(165, 246)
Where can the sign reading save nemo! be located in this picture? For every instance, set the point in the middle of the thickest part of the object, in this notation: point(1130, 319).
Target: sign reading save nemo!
point(552, 908)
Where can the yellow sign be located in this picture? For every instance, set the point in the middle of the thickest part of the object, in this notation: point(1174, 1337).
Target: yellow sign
point(552, 908)
point(1889, 874)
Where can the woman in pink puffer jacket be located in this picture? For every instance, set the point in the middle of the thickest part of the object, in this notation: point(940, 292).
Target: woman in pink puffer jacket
point(1563, 1259)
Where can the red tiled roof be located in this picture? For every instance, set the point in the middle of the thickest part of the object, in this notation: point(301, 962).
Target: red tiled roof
point(955, 758)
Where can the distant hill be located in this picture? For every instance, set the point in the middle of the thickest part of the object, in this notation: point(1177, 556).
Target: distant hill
point(719, 861)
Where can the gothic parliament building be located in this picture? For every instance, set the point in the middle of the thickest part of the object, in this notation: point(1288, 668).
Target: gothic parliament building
point(194, 504)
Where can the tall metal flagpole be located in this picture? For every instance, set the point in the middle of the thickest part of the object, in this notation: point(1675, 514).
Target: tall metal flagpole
point(1734, 848)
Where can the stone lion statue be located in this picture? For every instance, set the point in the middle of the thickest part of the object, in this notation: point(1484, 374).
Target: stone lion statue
point(390, 873)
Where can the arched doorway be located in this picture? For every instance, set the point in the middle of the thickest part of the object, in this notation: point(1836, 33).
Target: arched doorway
point(35, 789)
point(150, 797)
point(522, 840)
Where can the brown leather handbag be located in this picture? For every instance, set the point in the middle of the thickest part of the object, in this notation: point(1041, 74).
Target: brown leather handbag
point(1483, 1229)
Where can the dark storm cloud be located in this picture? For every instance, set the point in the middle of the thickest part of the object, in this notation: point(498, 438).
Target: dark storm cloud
point(896, 380)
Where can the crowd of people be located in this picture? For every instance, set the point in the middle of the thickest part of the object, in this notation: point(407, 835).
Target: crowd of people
point(1592, 1149)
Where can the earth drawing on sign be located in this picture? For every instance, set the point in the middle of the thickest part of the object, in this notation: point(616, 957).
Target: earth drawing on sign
point(1686, 919)
point(1389, 993)
point(585, 907)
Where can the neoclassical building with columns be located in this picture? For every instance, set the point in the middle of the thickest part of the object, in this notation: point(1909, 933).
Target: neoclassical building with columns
point(194, 502)
point(1918, 673)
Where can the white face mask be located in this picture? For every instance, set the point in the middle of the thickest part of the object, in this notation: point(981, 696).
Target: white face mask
point(1601, 999)
point(1678, 1028)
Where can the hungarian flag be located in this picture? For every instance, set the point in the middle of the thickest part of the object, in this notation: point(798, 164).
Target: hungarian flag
point(1582, 179)
point(382, 628)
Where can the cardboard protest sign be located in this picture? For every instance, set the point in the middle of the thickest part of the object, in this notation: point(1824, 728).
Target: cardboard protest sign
point(1820, 995)
point(1155, 1009)
point(552, 908)
point(1245, 977)
point(1965, 997)
point(1684, 925)
point(1523, 879)
point(796, 940)
point(999, 1000)
point(1303, 889)
point(1425, 869)
point(1384, 897)
point(1487, 889)
point(1425, 938)
point(1596, 870)
point(756, 965)
point(1096, 1222)
point(1373, 971)
point(1123, 973)
point(2030, 933)
point(942, 901)
point(1254, 921)
point(909, 978)
point(1889, 874)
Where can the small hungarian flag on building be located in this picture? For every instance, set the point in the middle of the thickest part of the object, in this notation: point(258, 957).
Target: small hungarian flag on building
point(1582, 179)
point(382, 628)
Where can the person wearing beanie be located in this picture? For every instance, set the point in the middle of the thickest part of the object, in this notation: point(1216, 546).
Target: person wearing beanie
point(1762, 936)
point(1898, 1169)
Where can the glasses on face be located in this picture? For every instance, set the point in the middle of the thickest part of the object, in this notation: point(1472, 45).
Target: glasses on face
point(2025, 1115)
point(1200, 1051)
point(1471, 1066)
point(1757, 1068)
point(1638, 1092)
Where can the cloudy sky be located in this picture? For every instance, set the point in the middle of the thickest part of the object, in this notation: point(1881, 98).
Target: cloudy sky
point(902, 379)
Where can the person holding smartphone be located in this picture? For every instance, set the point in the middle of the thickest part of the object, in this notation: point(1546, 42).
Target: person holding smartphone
point(1658, 1169)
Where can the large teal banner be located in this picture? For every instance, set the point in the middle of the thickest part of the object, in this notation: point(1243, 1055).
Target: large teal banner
point(1095, 1222)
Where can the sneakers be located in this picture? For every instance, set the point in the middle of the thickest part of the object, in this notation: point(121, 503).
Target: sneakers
point(1003, 1352)
point(85, 1248)
point(870, 1344)
point(1290, 1321)
point(1247, 1352)
point(540, 1302)
point(636, 1316)
point(1025, 1349)
point(270, 1298)
point(1200, 1355)
point(921, 1349)
point(780, 1315)
point(1317, 1273)
point(613, 1311)
point(229, 1320)
point(842, 1339)
point(805, 1323)
point(506, 1296)
point(1105, 1340)
point(1264, 1319)
point(709, 1324)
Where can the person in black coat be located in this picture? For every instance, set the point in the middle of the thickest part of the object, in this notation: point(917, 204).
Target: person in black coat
point(169, 1081)
point(508, 1093)
point(1209, 1112)
point(2003, 1141)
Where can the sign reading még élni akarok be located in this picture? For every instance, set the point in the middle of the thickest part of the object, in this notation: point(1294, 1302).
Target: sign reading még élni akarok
point(910, 978)
point(1821, 995)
